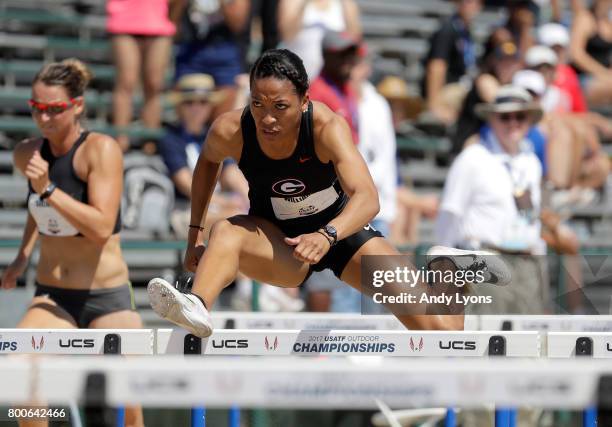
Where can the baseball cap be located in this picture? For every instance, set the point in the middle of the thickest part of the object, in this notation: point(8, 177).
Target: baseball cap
point(506, 49)
point(530, 80)
point(195, 86)
point(553, 34)
point(335, 41)
point(540, 55)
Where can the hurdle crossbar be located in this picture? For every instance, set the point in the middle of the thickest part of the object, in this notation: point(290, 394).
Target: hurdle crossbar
point(312, 383)
point(77, 341)
point(344, 343)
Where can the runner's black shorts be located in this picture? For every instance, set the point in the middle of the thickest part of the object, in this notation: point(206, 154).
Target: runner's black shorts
point(341, 253)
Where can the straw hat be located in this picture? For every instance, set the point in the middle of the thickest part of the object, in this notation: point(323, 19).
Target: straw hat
point(510, 99)
point(395, 89)
point(194, 87)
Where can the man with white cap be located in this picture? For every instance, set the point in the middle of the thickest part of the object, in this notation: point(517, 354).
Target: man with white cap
point(544, 60)
point(556, 37)
point(491, 198)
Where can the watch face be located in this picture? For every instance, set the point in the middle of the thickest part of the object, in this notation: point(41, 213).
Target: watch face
point(331, 230)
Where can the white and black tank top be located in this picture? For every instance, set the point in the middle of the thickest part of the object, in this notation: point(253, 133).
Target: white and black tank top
point(300, 194)
point(61, 171)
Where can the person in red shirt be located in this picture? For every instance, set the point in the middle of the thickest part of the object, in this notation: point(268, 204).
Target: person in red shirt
point(556, 37)
point(331, 87)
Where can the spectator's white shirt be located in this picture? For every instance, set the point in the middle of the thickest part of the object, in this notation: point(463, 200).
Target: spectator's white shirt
point(377, 145)
point(556, 100)
point(479, 195)
point(307, 43)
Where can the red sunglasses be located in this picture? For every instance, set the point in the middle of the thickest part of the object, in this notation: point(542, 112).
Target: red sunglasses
point(51, 108)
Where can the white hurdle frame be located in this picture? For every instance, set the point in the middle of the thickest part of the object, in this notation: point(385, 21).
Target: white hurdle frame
point(326, 383)
point(351, 343)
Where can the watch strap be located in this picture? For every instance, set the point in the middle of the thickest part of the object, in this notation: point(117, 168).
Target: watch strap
point(329, 239)
point(48, 191)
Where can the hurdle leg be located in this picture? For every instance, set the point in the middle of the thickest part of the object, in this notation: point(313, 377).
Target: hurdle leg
point(120, 417)
point(502, 418)
point(589, 417)
point(513, 416)
point(451, 418)
point(198, 417)
point(234, 416)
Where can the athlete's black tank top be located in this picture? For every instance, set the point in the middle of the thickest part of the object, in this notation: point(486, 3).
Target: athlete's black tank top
point(62, 173)
point(300, 194)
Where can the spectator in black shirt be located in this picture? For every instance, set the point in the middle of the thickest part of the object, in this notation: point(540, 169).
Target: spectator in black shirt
point(451, 58)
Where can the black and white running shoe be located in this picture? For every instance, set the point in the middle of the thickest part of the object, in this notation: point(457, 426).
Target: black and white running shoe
point(493, 267)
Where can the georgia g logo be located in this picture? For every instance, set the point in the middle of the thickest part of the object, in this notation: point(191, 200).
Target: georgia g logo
point(289, 187)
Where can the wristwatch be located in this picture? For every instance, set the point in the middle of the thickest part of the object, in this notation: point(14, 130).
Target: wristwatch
point(331, 231)
point(50, 189)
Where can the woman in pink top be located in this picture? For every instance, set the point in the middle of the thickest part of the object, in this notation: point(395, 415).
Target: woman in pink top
point(141, 32)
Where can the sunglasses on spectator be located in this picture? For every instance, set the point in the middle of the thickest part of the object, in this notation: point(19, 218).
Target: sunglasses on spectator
point(507, 117)
point(195, 102)
point(51, 108)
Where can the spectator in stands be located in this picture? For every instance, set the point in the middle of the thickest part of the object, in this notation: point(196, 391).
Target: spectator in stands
point(558, 236)
point(575, 158)
point(263, 26)
point(498, 64)
point(556, 37)
point(404, 105)
point(591, 51)
point(195, 97)
point(491, 198)
point(451, 62)
point(208, 42)
point(141, 37)
point(378, 148)
point(544, 60)
point(75, 180)
point(522, 19)
point(303, 23)
point(332, 87)
point(410, 205)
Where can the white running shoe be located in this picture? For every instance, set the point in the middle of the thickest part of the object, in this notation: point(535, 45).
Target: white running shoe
point(495, 270)
point(185, 310)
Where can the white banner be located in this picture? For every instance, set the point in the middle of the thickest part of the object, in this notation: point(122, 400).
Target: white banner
point(553, 323)
point(347, 343)
point(596, 345)
point(73, 341)
point(324, 382)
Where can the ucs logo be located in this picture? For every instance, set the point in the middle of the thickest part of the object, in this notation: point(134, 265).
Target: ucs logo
point(457, 345)
point(608, 346)
point(38, 345)
point(77, 343)
point(414, 347)
point(230, 343)
point(273, 346)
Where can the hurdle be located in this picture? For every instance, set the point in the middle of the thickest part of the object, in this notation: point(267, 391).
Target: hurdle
point(581, 344)
point(324, 383)
point(344, 321)
point(344, 343)
point(556, 323)
point(266, 344)
point(238, 342)
point(79, 342)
